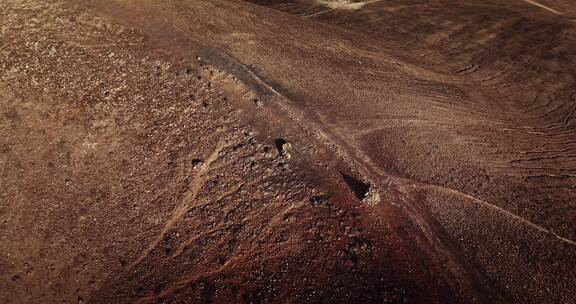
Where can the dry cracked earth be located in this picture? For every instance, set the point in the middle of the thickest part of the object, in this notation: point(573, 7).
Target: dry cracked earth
point(287, 151)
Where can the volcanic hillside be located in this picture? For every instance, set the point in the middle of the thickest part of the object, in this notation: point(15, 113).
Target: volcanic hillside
point(227, 151)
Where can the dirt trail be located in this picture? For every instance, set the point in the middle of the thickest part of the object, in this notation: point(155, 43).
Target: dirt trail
point(544, 7)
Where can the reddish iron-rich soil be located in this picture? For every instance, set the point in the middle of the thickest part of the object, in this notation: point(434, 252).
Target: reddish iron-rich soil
point(227, 151)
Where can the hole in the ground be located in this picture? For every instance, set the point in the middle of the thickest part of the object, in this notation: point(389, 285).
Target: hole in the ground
point(359, 188)
point(279, 142)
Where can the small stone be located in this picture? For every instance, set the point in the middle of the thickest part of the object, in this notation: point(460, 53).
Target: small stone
point(286, 148)
point(283, 147)
point(197, 163)
point(372, 197)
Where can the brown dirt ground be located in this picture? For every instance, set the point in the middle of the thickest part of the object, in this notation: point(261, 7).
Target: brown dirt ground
point(143, 155)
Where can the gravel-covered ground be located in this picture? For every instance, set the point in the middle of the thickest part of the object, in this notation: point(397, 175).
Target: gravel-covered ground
point(287, 151)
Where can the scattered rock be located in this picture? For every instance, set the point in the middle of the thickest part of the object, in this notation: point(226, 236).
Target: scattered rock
point(372, 197)
point(197, 163)
point(258, 102)
point(284, 147)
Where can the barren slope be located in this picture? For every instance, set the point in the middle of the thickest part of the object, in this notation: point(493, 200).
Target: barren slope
point(144, 151)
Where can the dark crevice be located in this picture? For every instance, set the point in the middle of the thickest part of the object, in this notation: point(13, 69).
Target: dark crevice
point(280, 142)
point(359, 188)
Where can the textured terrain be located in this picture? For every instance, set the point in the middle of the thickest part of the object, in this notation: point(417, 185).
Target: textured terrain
point(278, 151)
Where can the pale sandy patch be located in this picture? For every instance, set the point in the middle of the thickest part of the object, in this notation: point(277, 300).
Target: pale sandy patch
point(345, 4)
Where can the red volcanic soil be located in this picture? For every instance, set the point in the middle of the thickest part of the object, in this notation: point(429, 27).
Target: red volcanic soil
point(218, 151)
